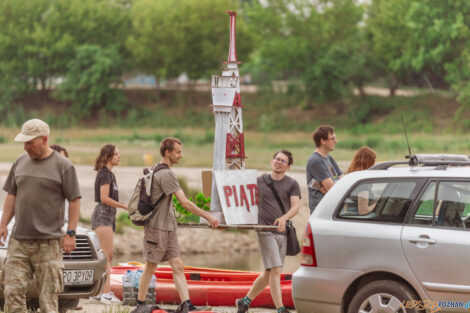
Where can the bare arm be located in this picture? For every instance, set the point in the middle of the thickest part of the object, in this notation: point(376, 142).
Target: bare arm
point(191, 207)
point(74, 213)
point(105, 199)
point(327, 184)
point(8, 213)
point(363, 203)
point(294, 209)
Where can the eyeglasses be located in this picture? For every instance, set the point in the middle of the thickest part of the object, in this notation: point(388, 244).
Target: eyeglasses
point(282, 161)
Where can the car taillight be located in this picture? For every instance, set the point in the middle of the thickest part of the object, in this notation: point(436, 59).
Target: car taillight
point(307, 253)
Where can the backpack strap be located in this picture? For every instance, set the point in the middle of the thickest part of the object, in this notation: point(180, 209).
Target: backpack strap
point(269, 181)
point(156, 168)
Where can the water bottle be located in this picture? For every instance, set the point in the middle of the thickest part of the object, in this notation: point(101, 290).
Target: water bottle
point(128, 294)
point(153, 282)
point(136, 279)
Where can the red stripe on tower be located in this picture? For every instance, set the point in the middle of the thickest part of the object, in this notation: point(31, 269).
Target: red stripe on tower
point(232, 52)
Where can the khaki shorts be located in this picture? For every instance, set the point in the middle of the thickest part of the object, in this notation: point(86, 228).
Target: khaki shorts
point(273, 249)
point(159, 245)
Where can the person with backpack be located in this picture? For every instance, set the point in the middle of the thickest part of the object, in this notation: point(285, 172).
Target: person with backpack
point(160, 242)
point(279, 201)
point(103, 219)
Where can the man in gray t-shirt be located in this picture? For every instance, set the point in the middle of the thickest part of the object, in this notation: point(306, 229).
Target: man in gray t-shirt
point(273, 245)
point(322, 170)
point(160, 242)
point(38, 184)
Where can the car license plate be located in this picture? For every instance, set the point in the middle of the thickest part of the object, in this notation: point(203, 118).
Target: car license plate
point(78, 277)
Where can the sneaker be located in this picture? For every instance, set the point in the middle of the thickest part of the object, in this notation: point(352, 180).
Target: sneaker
point(192, 308)
point(142, 309)
point(284, 310)
point(109, 298)
point(96, 298)
point(241, 307)
point(182, 308)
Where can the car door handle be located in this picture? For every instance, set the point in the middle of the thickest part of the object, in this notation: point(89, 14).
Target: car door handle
point(422, 240)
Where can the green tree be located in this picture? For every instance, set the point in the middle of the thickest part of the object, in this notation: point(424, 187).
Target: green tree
point(391, 37)
point(38, 38)
point(90, 76)
point(439, 32)
point(170, 37)
point(419, 37)
point(311, 41)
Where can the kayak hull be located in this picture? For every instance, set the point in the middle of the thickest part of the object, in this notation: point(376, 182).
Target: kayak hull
point(210, 287)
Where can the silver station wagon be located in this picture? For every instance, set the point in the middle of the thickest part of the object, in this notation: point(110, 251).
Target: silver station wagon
point(394, 238)
point(84, 271)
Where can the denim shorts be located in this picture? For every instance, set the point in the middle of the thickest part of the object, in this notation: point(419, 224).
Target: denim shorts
point(103, 215)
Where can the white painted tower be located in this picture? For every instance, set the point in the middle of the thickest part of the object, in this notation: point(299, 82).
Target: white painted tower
point(229, 145)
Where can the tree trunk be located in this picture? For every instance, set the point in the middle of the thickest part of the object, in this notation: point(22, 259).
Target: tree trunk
point(393, 84)
point(428, 82)
point(43, 83)
point(360, 87)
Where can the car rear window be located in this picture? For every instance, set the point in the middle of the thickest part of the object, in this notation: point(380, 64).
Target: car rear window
point(378, 201)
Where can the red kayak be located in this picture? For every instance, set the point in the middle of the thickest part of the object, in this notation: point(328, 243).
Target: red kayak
point(207, 286)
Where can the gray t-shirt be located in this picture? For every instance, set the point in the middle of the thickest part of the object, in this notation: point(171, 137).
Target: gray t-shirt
point(269, 209)
point(41, 187)
point(164, 184)
point(319, 168)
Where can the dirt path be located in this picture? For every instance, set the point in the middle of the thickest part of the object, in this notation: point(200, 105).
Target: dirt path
point(93, 307)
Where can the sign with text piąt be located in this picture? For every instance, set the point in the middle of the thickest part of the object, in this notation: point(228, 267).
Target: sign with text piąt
point(238, 194)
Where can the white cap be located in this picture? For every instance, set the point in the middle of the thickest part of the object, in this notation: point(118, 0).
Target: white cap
point(32, 129)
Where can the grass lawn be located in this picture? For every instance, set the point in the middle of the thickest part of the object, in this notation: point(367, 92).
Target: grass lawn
point(83, 145)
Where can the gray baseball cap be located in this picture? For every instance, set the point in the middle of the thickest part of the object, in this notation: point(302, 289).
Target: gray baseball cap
point(32, 129)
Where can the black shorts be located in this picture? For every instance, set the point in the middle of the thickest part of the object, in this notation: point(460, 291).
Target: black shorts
point(103, 215)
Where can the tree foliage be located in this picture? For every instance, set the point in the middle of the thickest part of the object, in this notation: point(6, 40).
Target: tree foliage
point(420, 37)
point(322, 47)
point(38, 39)
point(89, 76)
point(314, 41)
point(170, 37)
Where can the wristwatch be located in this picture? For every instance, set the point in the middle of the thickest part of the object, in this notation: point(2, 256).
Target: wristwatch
point(71, 232)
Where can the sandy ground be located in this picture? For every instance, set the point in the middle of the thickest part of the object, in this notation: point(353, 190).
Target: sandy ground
point(92, 307)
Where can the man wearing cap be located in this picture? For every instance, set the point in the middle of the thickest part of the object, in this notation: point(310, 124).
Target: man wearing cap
point(38, 184)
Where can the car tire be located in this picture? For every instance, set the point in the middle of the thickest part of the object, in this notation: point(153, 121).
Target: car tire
point(388, 295)
point(65, 304)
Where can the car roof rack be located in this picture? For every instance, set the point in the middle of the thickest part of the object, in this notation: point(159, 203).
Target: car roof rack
point(440, 160)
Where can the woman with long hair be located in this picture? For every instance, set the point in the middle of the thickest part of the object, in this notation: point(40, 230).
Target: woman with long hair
point(363, 159)
point(103, 219)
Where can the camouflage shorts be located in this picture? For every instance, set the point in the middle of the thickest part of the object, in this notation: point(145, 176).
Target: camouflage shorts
point(27, 259)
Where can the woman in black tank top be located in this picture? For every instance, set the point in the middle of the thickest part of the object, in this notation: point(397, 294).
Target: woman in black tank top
point(103, 218)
